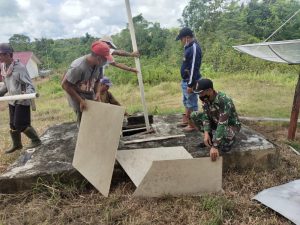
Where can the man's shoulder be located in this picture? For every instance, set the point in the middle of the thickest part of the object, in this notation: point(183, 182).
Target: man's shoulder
point(79, 62)
point(192, 46)
point(222, 97)
point(19, 66)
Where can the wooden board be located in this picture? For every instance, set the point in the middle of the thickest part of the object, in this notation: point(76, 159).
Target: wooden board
point(97, 143)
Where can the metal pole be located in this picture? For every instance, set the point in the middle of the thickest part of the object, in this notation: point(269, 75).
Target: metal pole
point(282, 25)
point(137, 63)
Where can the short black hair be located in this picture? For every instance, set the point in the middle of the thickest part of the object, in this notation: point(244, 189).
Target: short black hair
point(184, 32)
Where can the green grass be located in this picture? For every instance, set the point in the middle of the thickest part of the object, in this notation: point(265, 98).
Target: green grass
point(267, 95)
point(294, 144)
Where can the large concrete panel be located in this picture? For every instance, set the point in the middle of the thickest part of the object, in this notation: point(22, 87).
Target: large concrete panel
point(284, 199)
point(137, 162)
point(181, 177)
point(97, 143)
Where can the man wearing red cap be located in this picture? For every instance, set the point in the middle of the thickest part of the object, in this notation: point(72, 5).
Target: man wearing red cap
point(82, 78)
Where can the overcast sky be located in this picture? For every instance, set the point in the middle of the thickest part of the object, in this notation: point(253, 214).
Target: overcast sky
point(73, 18)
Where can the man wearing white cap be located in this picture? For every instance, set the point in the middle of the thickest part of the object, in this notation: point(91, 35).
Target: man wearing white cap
point(114, 51)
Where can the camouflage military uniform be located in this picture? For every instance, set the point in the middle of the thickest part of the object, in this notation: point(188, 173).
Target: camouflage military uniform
point(220, 119)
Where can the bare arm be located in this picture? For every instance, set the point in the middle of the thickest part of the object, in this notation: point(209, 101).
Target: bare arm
point(124, 67)
point(71, 90)
point(126, 54)
point(97, 91)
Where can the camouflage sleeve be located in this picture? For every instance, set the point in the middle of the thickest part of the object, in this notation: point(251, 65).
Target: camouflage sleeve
point(206, 123)
point(225, 109)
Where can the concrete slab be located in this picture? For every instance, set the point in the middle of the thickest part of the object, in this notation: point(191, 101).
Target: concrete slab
point(49, 161)
point(251, 151)
point(97, 143)
point(53, 159)
point(137, 162)
point(284, 199)
point(181, 177)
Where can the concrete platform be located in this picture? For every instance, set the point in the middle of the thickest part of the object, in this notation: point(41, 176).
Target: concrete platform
point(53, 159)
point(250, 151)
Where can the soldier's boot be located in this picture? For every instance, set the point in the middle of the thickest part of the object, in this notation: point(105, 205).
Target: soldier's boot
point(16, 141)
point(33, 136)
point(191, 126)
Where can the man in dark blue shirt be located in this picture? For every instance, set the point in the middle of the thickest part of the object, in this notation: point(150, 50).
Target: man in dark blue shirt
point(190, 74)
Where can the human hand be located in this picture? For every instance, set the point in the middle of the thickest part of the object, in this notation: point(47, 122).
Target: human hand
point(82, 105)
point(214, 153)
point(135, 54)
point(134, 70)
point(207, 139)
point(97, 97)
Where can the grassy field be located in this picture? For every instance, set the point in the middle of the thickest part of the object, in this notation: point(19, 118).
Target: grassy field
point(268, 95)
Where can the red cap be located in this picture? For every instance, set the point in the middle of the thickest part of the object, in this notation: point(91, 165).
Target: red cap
point(101, 49)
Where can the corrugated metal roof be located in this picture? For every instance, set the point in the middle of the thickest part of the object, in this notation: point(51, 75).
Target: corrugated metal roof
point(24, 57)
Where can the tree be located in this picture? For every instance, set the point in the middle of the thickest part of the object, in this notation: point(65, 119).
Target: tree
point(202, 14)
point(151, 38)
point(20, 42)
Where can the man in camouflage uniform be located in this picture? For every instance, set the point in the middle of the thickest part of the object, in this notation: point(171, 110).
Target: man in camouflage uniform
point(219, 120)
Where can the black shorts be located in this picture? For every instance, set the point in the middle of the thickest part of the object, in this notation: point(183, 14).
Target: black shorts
point(19, 117)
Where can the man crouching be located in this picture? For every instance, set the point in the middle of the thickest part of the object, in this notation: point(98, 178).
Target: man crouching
point(219, 120)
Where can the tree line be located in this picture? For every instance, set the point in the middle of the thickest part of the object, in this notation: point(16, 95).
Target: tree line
point(218, 25)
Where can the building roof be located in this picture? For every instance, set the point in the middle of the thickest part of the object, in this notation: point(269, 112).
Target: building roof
point(277, 51)
point(24, 57)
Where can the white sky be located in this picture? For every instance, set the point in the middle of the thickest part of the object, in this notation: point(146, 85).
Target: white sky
point(73, 18)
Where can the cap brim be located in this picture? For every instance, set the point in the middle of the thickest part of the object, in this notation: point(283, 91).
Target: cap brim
point(198, 92)
point(177, 38)
point(113, 45)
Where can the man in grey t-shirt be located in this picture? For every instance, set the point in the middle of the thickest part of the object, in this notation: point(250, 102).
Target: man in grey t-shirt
point(82, 78)
point(17, 81)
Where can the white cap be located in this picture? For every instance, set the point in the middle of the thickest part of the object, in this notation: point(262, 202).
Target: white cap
point(108, 40)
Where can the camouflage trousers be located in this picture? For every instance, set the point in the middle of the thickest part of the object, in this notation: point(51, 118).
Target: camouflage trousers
point(230, 131)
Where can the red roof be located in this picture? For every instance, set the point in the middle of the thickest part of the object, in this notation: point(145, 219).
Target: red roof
point(24, 57)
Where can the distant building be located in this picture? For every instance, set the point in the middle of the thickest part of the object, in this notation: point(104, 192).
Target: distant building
point(30, 61)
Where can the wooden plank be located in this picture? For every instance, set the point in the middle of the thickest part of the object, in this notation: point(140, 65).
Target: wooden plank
point(181, 177)
point(97, 143)
point(135, 129)
point(265, 119)
point(137, 162)
point(294, 150)
point(137, 63)
point(153, 139)
point(295, 112)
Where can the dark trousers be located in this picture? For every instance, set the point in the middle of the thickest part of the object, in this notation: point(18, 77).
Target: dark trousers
point(19, 117)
